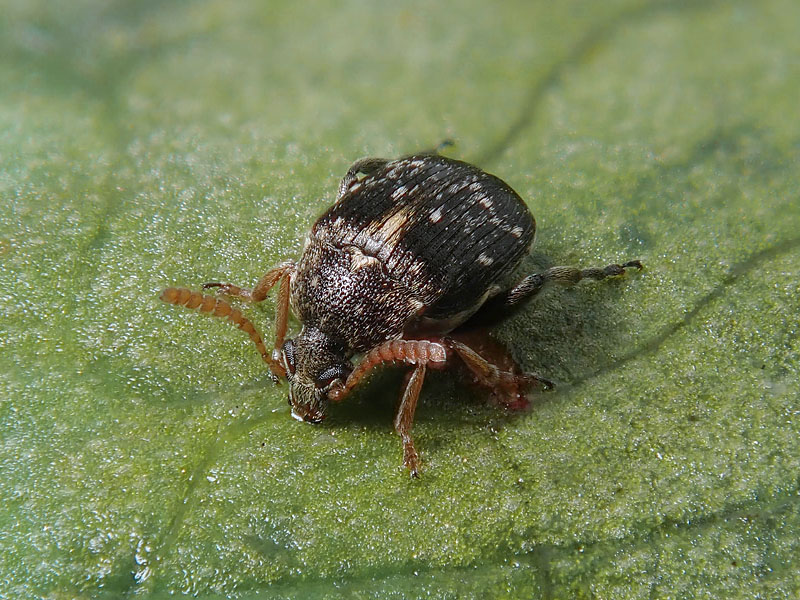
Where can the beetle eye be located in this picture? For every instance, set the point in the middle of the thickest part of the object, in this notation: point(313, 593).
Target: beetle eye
point(330, 375)
point(287, 355)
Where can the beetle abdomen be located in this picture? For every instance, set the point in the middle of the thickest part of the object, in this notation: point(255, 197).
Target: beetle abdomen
point(442, 227)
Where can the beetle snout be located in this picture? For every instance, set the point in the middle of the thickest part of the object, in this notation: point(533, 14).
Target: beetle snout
point(308, 417)
point(306, 406)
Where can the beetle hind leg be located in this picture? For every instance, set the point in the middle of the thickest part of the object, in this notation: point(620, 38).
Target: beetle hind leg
point(507, 386)
point(533, 284)
point(498, 306)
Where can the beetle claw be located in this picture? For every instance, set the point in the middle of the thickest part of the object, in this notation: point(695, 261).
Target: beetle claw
point(633, 263)
point(411, 460)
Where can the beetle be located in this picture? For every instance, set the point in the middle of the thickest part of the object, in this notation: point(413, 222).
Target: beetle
point(412, 248)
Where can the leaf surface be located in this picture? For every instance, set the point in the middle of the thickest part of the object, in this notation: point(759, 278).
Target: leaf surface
point(144, 449)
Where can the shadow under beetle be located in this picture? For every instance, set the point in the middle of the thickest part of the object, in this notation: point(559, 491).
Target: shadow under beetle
point(408, 252)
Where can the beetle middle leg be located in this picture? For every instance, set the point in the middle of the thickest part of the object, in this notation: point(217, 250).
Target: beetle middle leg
point(490, 375)
point(364, 166)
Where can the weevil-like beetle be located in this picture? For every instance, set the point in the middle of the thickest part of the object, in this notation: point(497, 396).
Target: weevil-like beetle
point(410, 251)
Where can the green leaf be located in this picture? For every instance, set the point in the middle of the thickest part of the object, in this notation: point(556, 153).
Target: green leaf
point(144, 449)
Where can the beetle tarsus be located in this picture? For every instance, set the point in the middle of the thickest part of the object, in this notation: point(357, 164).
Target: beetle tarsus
point(546, 384)
point(497, 307)
point(633, 263)
point(228, 289)
point(437, 149)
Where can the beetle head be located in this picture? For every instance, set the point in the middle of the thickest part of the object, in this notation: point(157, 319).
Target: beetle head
point(314, 364)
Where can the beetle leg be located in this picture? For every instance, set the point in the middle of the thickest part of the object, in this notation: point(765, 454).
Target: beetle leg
point(282, 314)
point(421, 353)
point(283, 274)
point(489, 375)
point(533, 284)
point(411, 352)
point(405, 417)
point(264, 285)
point(445, 143)
point(496, 307)
point(364, 166)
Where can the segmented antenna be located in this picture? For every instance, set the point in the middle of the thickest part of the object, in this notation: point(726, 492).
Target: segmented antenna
point(217, 308)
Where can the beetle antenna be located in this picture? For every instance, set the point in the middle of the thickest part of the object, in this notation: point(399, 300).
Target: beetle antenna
point(217, 308)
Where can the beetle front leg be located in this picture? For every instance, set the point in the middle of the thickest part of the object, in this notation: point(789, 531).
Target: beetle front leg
point(405, 417)
point(411, 352)
point(262, 288)
point(283, 274)
point(421, 354)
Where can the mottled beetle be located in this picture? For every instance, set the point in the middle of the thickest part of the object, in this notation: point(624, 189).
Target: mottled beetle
point(407, 253)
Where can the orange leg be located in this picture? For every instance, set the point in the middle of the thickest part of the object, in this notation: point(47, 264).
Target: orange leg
point(434, 353)
point(264, 285)
point(489, 375)
point(411, 352)
point(421, 353)
point(282, 273)
point(405, 417)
